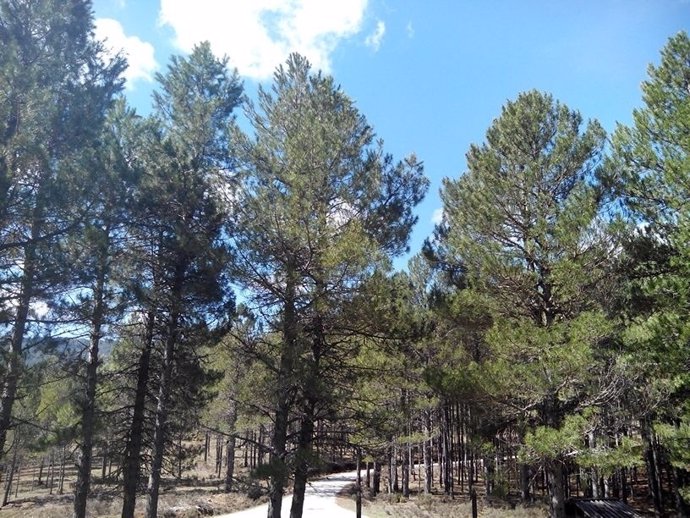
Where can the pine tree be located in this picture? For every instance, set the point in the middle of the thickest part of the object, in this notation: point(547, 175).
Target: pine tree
point(56, 87)
point(525, 222)
point(98, 254)
point(185, 216)
point(320, 207)
point(651, 168)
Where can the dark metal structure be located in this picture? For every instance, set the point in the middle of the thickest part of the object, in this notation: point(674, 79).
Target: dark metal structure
point(600, 508)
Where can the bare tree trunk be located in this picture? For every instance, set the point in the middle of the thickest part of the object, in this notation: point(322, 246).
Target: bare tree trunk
point(104, 460)
point(556, 490)
point(14, 359)
point(40, 471)
point(406, 472)
point(179, 457)
point(230, 462)
point(428, 473)
point(377, 478)
point(303, 458)
point(230, 454)
point(10, 473)
point(358, 502)
point(51, 474)
point(160, 428)
point(131, 462)
point(651, 460)
point(594, 473)
point(447, 452)
point(63, 460)
point(278, 475)
point(83, 483)
point(19, 474)
point(525, 474)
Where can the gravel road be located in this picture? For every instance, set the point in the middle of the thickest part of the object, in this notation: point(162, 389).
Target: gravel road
point(319, 501)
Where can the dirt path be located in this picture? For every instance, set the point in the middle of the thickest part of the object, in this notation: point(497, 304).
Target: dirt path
point(319, 500)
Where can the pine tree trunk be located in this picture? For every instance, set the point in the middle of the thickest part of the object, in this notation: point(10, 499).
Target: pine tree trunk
point(63, 460)
point(652, 466)
point(14, 359)
point(51, 472)
point(447, 452)
point(83, 482)
point(131, 463)
point(556, 489)
point(19, 476)
point(278, 476)
point(406, 472)
point(525, 496)
point(392, 469)
point(377, 478)
point(179, 457)
point(10, 474)
point(40, 471)
point(428, 473)
point(230, 453)
point(594, 473)
point(160, 428)
point(302, 461)
point(358, 501)
point(104, 461)
point(230, 462)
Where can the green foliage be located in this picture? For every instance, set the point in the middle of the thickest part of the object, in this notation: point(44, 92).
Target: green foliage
point(548, 444)
point(676, 440)
point(650, 167)
point(626, 454)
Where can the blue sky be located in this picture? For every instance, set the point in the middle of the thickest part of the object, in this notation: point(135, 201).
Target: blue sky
point(429, 76)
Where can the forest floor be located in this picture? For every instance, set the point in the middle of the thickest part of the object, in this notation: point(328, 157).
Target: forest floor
point(434, 505)
point(200, 493)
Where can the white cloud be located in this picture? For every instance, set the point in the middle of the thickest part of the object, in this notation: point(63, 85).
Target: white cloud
point(410, 30)
point(437, 216)
point(139, 53)
point(375, 38)
point(259, 35)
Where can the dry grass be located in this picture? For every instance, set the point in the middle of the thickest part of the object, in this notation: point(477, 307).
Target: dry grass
point(200, 489)
point(186, 502)
point(435, 506)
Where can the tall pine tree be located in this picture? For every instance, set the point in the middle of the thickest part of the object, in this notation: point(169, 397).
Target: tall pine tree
point(320, 207)
point(55, 86)
point(525, 221)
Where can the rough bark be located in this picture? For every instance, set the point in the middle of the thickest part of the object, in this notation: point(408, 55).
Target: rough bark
point(302, 462)
point(428, 474)
point(83, 482)
point(230, 462)
point(652, 466)
point(15, 357)
point(160, 428)
point(525, 496)
point(9, 473)
point(131, 461)
point(556, 489)
point(278, 475)
point(376, 489)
